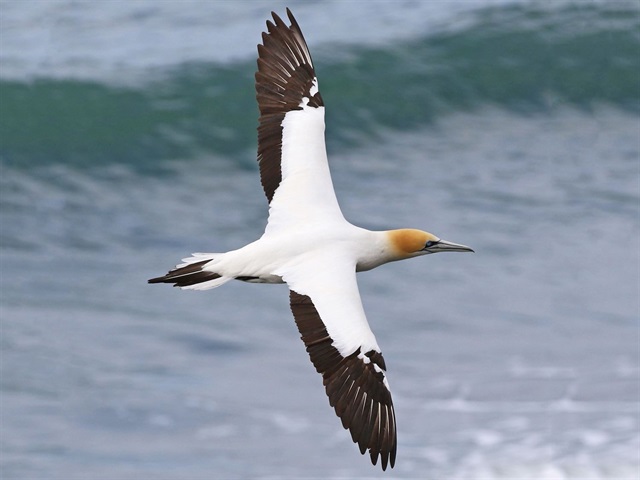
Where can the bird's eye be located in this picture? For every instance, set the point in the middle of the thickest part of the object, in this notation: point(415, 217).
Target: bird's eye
point(430, 244)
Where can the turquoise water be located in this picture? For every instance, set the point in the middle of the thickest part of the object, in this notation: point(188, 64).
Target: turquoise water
point(127, 141)
point(520, 58)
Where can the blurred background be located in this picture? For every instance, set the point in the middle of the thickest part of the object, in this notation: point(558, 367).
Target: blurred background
point(127, 141)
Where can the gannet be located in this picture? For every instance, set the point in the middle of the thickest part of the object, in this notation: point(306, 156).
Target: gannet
point(309, 245)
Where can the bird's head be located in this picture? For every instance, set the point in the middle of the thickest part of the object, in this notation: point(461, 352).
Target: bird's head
point(407, 243)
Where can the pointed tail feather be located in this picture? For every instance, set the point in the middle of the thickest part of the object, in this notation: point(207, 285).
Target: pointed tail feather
point(191, 275)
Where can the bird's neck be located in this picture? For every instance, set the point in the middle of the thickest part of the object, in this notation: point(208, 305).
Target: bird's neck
point(384, 247)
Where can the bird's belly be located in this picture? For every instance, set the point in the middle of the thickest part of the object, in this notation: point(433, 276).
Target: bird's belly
point(261, 279)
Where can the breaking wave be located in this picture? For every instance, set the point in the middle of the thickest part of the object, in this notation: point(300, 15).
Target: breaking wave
point(519, 57)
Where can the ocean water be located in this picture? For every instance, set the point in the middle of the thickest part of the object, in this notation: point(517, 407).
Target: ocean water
point(127, 141)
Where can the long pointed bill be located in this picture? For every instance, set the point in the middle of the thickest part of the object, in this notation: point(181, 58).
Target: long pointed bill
point(444, 246)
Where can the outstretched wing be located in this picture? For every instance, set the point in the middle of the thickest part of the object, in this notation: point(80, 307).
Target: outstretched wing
point(328, 312)
point(291, 149)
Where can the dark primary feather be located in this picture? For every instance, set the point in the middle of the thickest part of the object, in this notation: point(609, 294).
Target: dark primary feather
point(355, 389)
point(284, 77)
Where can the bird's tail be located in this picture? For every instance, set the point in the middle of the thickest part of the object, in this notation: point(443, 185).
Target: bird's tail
point(193, 274)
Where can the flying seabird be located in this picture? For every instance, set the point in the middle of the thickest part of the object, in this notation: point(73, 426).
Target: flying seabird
point(309, 245)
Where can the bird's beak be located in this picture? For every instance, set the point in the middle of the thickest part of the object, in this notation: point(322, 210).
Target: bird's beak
point(444, 246)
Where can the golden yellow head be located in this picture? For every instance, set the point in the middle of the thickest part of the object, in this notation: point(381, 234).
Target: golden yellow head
point(408, 242)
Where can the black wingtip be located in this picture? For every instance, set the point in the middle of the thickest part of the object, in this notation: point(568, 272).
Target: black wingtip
point(276, 18)
point(291, 17)
point(385, 460)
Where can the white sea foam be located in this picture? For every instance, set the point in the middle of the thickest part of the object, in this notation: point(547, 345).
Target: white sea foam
point(115, 41)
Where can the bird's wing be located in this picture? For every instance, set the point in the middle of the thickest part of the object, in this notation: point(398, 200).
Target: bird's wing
point(291, 149)
point(326, 305)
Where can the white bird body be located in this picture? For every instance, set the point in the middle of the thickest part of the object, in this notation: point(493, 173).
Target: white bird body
point(309, 245)
point(265, 260)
